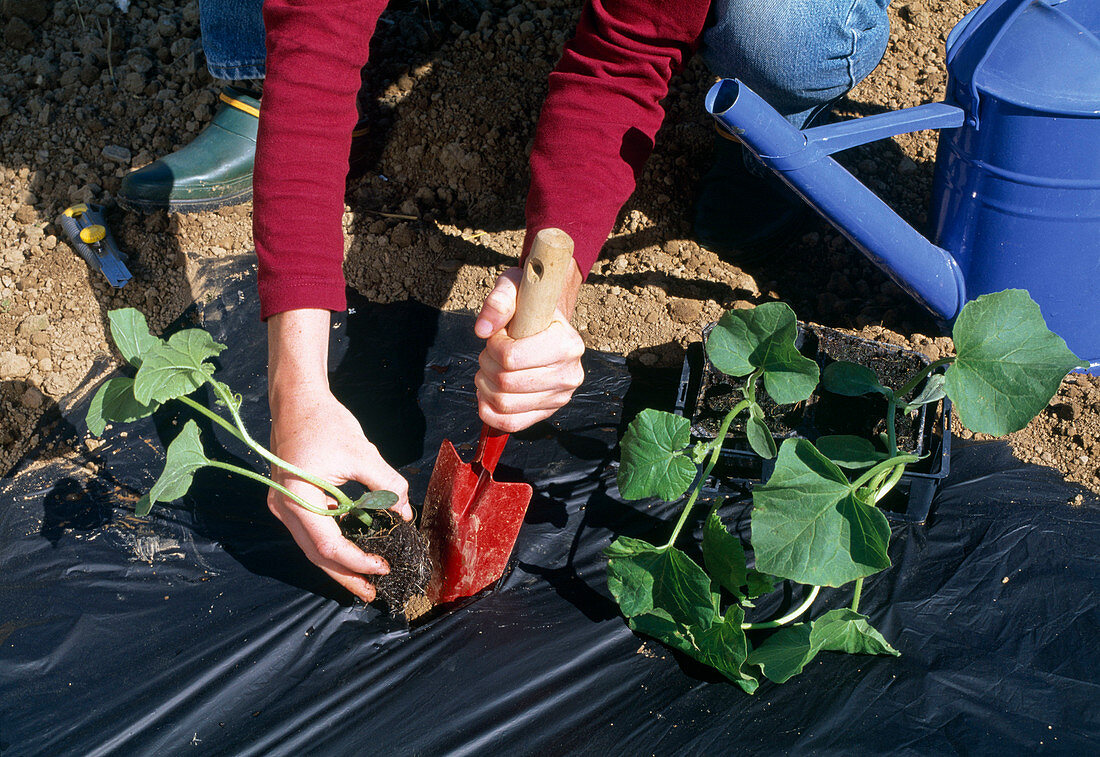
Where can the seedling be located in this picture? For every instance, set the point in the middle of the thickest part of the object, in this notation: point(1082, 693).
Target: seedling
point(173, 369)
point(811, 523)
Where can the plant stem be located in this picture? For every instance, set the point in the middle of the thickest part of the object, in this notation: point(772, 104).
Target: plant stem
point(880, 492)
point(224, 395)
point(922, 374)
point(715, 450)
point(749, 389)
point(893, 462)
point(199, 407)
point(792, 615)
point(891, 431)
point(890, 483)
point(277, 487)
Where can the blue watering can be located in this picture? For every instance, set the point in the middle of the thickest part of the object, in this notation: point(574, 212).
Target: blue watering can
point(1016, 195)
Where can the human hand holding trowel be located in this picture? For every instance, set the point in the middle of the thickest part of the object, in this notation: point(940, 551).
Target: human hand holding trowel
point(527, 371)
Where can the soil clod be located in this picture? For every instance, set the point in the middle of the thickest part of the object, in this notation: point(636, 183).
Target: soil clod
point(401, 545)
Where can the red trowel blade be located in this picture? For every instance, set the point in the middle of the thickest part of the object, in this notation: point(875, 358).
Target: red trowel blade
point(469, 544)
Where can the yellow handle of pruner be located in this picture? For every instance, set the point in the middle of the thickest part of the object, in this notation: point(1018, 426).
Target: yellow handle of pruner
point(92, 234)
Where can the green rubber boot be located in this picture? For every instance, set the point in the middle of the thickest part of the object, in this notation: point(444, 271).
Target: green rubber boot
point(213, 171)
point(743, 215)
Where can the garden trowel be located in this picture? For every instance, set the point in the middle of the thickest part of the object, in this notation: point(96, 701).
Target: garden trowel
point(471, 521)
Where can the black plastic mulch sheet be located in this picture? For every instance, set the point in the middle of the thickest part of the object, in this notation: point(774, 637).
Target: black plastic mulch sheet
point(202, 629)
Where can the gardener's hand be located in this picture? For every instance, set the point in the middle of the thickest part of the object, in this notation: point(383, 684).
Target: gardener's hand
point(312, 430)
point(523, 381)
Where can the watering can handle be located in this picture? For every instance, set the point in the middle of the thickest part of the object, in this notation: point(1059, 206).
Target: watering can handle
point(832, 138)
point(981, 15)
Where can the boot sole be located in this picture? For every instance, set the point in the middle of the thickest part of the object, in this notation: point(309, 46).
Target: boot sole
point(184, 206)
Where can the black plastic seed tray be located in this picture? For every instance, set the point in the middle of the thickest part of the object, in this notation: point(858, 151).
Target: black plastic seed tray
point(739, 468)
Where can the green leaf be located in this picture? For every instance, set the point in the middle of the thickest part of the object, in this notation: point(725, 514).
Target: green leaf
point(115, 403)
point(724, 556)
point(763, 338)
point(664, 594)
point(933, 391)
point(852, 452)
point(787, 652)
point(851, 380)
point(652, 462)
point(760, 436)
point(661, 577)
point(808, 525)
point(759, 584)
point(722, 646)
point(177, 367)
point(626, 546)
point(847, 631)
point(1008, 364)
point(144, 506)
point(377, 500)
point(185, 456)
point(235, 398)
point(700, 452)
point(629, 586)
point(660, 625)
point(130, 332)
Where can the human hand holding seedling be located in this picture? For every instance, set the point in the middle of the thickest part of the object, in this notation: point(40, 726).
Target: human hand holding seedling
point(308, 502)
point(313, 431)
point(523, 381)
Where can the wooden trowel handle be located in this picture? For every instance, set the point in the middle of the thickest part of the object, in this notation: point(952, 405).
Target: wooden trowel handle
point(544, 273)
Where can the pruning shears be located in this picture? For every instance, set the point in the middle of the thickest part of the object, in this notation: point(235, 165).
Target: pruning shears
point(89, 236)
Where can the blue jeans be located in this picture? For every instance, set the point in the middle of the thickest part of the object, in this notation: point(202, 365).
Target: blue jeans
point(233, 38)
point(799, 55)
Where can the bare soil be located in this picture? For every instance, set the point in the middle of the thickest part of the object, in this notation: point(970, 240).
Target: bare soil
point(89, 92)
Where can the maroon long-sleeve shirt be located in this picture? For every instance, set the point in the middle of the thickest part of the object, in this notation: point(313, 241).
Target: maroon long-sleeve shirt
point(595, 132)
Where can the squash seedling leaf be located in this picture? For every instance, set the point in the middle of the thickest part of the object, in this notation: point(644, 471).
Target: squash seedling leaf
point(764, 338)
point(724, 556)
point(851, 452)
point(759, 584)
point(185, 456)
point(653, 462)
point(851, 380)
point(933, 391)
point(114, 402)
point(722, 646)
point(789, 650)
point(664, 594)
point(177, 367)
point(809, 525)
point(784, 654)
point(641, 577)
point(130, 332)
point(846, 631)
point(377, 500)
point(144, 506)
point(1008, 365)
point(759, 435)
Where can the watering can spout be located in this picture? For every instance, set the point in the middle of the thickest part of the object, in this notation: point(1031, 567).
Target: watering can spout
point(802, 160)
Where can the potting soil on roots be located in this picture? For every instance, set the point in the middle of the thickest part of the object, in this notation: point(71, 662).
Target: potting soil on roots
point(203, 628)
